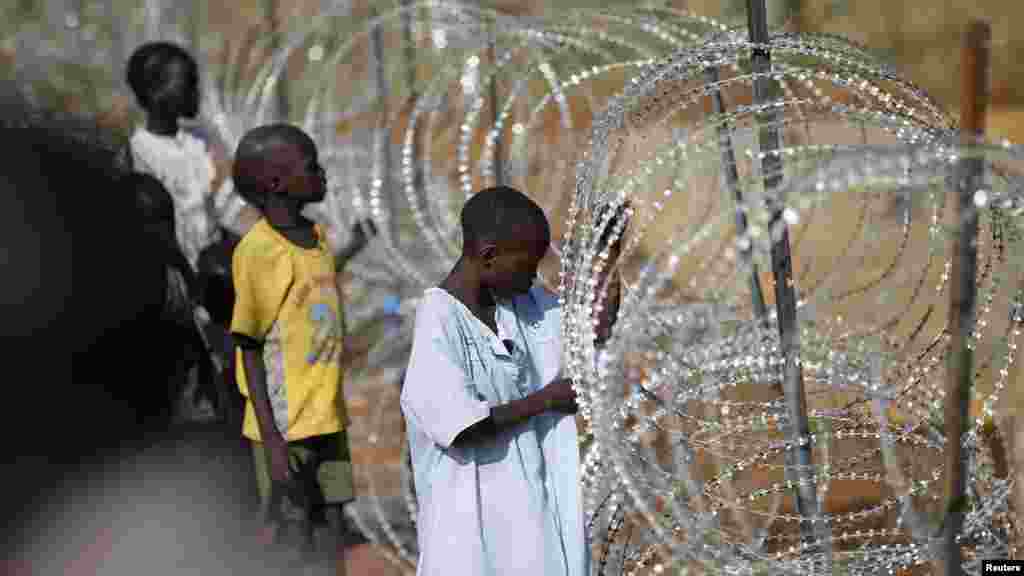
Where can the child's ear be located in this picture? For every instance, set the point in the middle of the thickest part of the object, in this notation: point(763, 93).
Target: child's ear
point(488, 252)
point(275, 185)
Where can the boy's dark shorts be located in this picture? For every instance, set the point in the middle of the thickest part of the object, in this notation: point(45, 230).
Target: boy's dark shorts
point(334, 467)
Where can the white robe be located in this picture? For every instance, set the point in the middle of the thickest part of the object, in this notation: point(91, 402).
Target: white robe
point(510, 506)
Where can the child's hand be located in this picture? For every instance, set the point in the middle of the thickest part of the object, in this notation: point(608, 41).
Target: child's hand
point(221, 163)
point(560, 395)
point(359, 239)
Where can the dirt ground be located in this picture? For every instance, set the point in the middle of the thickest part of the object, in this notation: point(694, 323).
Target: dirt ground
point(182, 504)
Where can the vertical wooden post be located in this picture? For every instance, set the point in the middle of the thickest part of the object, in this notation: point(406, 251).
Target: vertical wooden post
point(782, 269)
point(732, 182)
point(731, 176)
point(410, 39)
point(196, 12)
point(379, 72)
point(499, 155)
point(963, 288)
point(271, 11)
point(117, 34)
point(152, 16)
point(384, 100)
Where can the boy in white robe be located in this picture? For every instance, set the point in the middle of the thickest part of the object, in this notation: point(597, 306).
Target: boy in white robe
point(495, 466)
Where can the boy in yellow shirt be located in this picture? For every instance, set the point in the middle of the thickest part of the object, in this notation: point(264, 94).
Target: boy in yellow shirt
point(288, 326)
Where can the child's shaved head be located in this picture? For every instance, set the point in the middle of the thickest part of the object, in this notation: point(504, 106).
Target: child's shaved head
point(505, 236)
point(258, 162)
point(164, 78)
point(499, 215)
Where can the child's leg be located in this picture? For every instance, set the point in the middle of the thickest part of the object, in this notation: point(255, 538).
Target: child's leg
point(336, 527)
point(286, 525)
point(259, 463)
point(271, 529)
point(336, 483)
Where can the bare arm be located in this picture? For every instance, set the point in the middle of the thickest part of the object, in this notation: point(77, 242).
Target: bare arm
point(356, 245)
point(221, 160)
point(256, 378)
point(556, 396)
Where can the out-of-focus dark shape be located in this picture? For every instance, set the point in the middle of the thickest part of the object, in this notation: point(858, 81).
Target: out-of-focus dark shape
point(80, 300)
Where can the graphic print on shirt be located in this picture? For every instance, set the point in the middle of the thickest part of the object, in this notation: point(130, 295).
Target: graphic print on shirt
point(277, 393)
point(327, 336)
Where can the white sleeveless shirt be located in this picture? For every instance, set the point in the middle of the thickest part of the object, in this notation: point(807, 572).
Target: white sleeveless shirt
point(183, 164)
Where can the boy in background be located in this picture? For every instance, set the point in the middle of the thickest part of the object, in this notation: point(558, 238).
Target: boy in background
point(208, 213)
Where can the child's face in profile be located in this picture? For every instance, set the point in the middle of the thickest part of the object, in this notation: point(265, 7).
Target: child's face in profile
point(513, 268)
point(308, 180)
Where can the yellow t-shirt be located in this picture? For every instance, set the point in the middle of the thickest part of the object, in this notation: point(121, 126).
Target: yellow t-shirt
point(287, 296)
